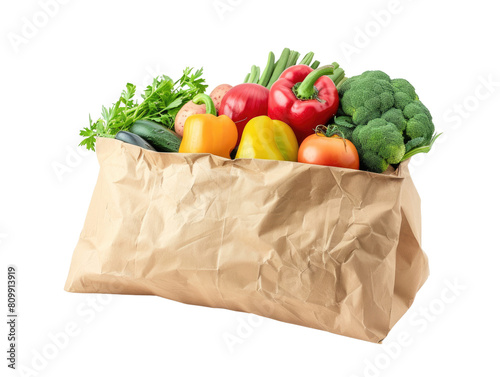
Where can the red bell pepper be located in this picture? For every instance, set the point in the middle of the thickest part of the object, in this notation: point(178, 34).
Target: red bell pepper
point(244, 102)
point(304, 98)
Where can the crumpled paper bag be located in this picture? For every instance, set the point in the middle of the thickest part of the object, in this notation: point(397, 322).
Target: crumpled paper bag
point(328, 248)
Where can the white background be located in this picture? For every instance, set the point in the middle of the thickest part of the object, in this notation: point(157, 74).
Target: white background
point(82, 55)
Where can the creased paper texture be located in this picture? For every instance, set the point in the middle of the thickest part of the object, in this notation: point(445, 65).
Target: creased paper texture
point(328, 248)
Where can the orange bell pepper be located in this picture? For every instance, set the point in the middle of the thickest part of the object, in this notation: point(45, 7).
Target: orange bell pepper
point(208, 133)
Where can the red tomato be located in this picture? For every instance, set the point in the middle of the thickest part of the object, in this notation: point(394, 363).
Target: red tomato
point(319, 149)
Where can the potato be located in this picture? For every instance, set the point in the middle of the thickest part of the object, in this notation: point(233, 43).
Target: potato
point(185, 112)
point(191, 108)
point(218, 93)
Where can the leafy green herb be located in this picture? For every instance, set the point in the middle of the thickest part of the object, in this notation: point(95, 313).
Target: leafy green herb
point(161, 102)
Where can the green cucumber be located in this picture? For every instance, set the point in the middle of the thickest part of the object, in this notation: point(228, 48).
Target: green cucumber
point(130, 138)
point(159, 136)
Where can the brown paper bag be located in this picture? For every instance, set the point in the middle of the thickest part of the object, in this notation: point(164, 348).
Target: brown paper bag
point(328, 248)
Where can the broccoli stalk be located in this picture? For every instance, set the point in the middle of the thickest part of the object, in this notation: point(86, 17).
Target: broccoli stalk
point(424, 149)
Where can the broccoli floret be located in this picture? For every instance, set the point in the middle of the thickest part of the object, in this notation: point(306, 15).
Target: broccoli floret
point(344, 125)
point(396, 117)
point(379, 144)
point(404, 93)
point(367, 96)
point(394, 104)
point(419, 128)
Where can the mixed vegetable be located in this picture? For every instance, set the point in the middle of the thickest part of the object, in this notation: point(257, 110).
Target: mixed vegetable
point(292, 111)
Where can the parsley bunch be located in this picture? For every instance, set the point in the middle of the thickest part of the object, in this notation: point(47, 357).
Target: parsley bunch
point(161, 102)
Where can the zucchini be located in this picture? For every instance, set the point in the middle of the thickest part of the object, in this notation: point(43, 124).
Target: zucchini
point(130, 138)
point(233, 153)
point(159, 136)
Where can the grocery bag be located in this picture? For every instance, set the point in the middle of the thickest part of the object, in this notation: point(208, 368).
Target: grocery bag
point(328, 248)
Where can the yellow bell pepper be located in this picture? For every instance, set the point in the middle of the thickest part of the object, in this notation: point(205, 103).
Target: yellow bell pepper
point(268, 139)
point(208, 133)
